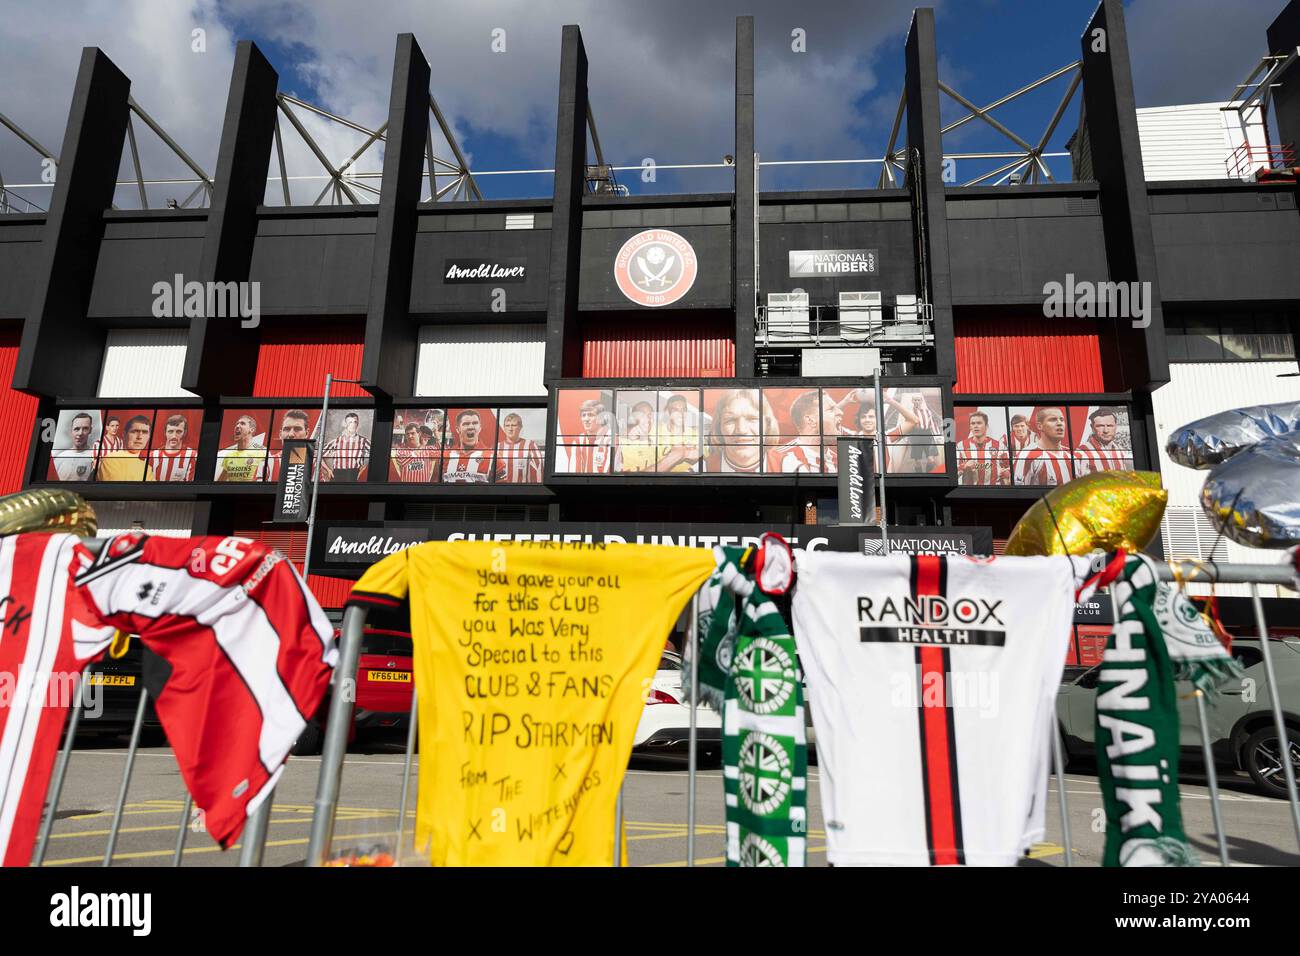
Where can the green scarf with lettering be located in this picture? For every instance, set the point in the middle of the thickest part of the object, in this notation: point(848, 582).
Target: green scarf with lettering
point(1158, 639)
point(764, 741)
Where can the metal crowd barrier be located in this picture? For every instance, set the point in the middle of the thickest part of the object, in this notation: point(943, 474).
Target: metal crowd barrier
point(253, 840)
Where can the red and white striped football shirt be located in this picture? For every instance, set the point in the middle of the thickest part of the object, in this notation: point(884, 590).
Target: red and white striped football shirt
point(796, 457)
point(416, 464)
point(990, 458)
point(467, 466)
point(519, 462)
point(106, 444)
point(173, 465)
point(250, 650)
point(591, 455)
point(1092, 455)
point(1039, 466)
point(49, 635)
point(348, 452)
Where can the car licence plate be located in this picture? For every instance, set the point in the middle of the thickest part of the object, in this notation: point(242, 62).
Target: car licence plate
point(400, 677)
point(110, 680)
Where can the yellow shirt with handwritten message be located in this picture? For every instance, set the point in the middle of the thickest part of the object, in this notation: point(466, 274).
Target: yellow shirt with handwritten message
point(532, 663)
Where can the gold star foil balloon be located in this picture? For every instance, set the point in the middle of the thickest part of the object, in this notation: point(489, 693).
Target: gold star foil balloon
point(46, 510)
point(1102, 511)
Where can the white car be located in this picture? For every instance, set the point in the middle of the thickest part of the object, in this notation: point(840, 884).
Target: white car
point(665, 722)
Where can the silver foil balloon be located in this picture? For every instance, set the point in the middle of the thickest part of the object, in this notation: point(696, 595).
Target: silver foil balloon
point(1255, 495)
point(1213, 440)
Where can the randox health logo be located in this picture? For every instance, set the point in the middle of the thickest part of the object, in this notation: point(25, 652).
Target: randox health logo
point(655, 267)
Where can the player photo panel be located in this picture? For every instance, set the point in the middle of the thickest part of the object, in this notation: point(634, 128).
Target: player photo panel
point(521, 445)
point(1102, 439)
point(288, 423)
point(345, 453)
point(796, 444)
point(1039, 439)
point(585, 431)
point(241, 455)
point(981, 449)
point(467, 452)
point(734, 431)
point(637, 417)
point(416, 454)
point(72, 451)
point(914, 430)
point(678, 433)
point(128, 461)
point(174, 454)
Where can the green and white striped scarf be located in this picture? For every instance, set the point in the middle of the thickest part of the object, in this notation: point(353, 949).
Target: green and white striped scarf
point(1158, 639)
point(764, 742)
point(717, 626)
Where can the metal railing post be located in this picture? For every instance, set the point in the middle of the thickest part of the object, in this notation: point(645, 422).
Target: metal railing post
point(1283, 738)
point(336, 736)
point(126, 778)
point(60, 775)
point(411, 738)
point(692, 758)
point(1211, 778)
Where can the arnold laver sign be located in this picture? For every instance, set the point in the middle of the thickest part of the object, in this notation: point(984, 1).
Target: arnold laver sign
point(368, 545)
point(857, 504)
point(655, 267)
point(484, 270)
point(833, 262)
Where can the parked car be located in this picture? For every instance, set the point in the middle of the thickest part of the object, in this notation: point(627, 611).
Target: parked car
point(1242, 732)
point(384, 683)
point(664, 729)
point(111, 693)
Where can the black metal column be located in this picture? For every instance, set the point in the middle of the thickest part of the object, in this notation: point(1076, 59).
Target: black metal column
point(925, 146)
point(746, 204)
point(221, 356)
point(1111, 113)
point(60, 352)
point(1283, 38)
point(563, 347)
point(392, 341)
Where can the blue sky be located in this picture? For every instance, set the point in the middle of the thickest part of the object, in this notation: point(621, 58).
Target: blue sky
point(661, 75)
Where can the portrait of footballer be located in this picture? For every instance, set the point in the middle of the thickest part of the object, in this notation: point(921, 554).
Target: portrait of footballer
point(242, 455)
point(72, 457)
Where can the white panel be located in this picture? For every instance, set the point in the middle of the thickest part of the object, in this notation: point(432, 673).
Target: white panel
point(484, 360)
point(1198, 389)
point(1190, 141)
point(522, 220)
point(143, 363)
point(1195, 390)
point(167, 519)
point(855, 363)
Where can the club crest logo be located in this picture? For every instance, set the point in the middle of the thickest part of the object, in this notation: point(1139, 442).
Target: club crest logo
point(655, 268)
point(755, 851)
point(764, 676)
point(766, 773)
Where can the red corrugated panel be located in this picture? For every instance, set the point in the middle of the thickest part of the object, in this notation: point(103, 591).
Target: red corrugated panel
point(292, 361)
point(656, 347)
point(292, 543)
point(1027, 356)
point(18, 411)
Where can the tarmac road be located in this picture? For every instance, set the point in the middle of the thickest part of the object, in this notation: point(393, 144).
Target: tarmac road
point(1259, 829)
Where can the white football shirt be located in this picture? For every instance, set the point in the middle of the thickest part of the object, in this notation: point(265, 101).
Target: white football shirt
point(932, 682)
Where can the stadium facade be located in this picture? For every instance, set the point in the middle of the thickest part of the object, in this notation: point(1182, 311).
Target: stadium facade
point(613, 364)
